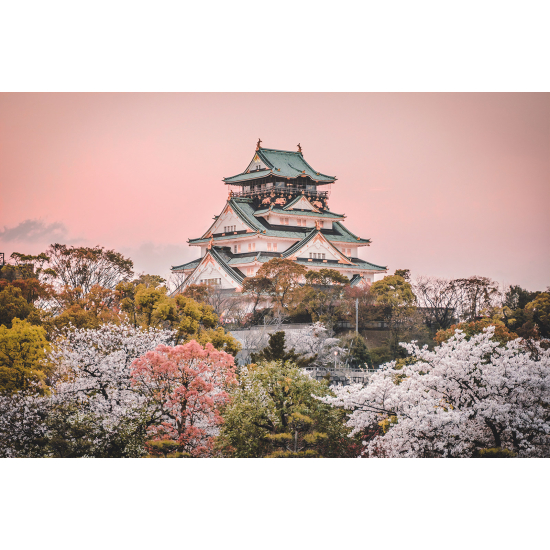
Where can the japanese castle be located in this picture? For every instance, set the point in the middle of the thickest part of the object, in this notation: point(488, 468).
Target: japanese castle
point(276, 208)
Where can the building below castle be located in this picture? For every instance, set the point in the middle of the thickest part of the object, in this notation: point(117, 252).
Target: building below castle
point(278, 208)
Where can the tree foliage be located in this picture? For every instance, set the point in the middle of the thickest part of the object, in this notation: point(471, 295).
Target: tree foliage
point(83, 267)
point(272, 413)
point(184, 387)
point(285, 276)
point(23, 358)
point(465, 396)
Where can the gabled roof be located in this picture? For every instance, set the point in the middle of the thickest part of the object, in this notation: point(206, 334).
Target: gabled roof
point(285, 164)
point(212, 253)
point(298, 199)
point(309, 237)
point(234, 273)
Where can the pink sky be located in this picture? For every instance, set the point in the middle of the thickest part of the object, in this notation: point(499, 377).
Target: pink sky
point(449, 185)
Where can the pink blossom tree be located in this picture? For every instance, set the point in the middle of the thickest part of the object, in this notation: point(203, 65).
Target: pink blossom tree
point(184, 387)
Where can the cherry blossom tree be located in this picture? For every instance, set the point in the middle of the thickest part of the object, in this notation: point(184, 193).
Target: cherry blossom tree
point(184, 387)
point(92, 390)
point(458, 400)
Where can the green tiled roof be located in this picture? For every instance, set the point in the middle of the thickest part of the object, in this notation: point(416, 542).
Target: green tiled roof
point(244, 208)
point(295, 247)
point(286, 164)
point(327, 215)
point(232, 272)
point(188, 265)
point(368, 265)
point(320, 263)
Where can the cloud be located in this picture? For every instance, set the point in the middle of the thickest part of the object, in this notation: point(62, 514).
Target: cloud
point(33, 231)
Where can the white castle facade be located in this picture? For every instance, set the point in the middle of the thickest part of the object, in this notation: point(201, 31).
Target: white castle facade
point(278, 209)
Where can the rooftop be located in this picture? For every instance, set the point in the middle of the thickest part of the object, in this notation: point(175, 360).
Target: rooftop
point(279, 163)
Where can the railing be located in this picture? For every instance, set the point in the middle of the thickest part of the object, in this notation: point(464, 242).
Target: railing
point(281, 191)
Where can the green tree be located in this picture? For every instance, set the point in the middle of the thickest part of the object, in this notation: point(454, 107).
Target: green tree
point(13, 305)
point(275, 351)
point(273, 412)
point(359, 355)
point(397, 298)
point(322, 296)
point(23, 357)
point(285, 276)
point(539, 311)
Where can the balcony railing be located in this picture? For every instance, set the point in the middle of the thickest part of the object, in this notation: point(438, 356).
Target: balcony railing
point(281, 191)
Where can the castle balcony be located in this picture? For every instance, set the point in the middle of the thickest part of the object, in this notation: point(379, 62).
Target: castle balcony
point(289, 191)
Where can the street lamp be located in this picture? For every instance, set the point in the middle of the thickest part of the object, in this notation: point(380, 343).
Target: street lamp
point(335, 354)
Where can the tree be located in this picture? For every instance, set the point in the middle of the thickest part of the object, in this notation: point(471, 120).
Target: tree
point(404, 274)
point(315, 344)
point(367, 309)
point(272, 413)
point(257, 288)
point(198, 293)
point(13, 305)
point(94, 410)
point(322, 296)
point(398, 301)
point(285, 276)
point(184, 387)
point(501, 334)
point(84, 310)
point(275, 351)
point(539, 311)
point(149, 306)
point(440, 298)
point(465, 396)
point(358, 354)
point(476, 296)
point(83, 267)
point(23, 358)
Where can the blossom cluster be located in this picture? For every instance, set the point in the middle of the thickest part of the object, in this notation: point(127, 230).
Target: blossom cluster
point(460, 398)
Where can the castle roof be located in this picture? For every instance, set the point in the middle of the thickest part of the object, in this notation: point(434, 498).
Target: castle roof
point(284, 164)
point(244, 209)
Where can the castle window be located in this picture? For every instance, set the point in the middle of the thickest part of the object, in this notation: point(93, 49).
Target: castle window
point(234, 249)
point(269, 247)
point(251, 247)
point(214, 282)
point(274, 247)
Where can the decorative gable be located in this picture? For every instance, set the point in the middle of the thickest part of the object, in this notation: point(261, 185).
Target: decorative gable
point(209, 271)
point(227, 222)
point(256, 164)
point(317, 249)
point(302, 203)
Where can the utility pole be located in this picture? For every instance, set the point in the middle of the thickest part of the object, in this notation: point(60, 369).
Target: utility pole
point(356, 316)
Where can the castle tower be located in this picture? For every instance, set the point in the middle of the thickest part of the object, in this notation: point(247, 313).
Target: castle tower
point(278, 209)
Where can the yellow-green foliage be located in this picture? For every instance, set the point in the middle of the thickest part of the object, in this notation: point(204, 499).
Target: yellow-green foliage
point(273, 413)
point(23, 357)
point(149, 306)
point(496, 452)
point(12, 305)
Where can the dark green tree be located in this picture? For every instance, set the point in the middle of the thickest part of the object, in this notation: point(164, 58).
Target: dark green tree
point(275, 351)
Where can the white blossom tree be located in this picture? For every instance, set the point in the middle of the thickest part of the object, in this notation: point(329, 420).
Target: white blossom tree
point(92, 408)
point(455, 401)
